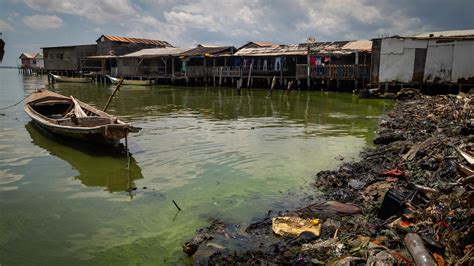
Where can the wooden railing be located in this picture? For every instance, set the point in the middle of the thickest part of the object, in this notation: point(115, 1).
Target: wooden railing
point(334, 71)
point(197, 71)
point(202, 71)
point(262, 70)
point(226, 71)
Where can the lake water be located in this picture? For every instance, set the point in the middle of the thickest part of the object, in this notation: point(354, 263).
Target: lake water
point(217, 154)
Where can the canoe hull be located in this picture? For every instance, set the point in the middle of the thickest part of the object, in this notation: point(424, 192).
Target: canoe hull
point(71, 80)
point(131, 81)
point(99, 127)
point(102, 136)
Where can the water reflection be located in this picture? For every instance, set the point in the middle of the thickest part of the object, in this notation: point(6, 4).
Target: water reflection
point(97, 168)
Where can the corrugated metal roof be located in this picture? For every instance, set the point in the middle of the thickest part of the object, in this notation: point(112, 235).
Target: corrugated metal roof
point(69, 46)
point(39, 56)
point(361, 45)
point(451, 33)
point(135, 40)
point(274, 50)
point(157, 52)
point(255, 45)
point(341, 47)
point(209, 51)
point(264, 44)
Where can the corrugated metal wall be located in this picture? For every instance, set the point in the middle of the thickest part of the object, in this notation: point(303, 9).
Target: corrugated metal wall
point(437, 61)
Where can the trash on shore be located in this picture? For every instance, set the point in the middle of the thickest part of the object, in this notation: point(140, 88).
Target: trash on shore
point(294, 226)
point(409, 200)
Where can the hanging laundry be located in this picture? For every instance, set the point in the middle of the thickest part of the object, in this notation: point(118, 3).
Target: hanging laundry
point(183, 67)
point(327, 59)
point(278, 64)
point(265, 65)
point(319, 60)
point(312, 60)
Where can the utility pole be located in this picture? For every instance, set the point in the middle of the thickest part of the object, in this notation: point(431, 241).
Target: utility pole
point(310, 42)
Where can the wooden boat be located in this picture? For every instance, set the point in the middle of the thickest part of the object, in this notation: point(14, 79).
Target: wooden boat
point(69, 79)
point(130, 81)
point(69, 117)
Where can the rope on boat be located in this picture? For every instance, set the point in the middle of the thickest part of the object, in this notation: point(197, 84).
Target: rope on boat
point(126, 149)
point(128, 165)
point(3, 108)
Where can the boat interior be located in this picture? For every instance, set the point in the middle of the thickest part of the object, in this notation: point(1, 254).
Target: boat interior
point(62, 113)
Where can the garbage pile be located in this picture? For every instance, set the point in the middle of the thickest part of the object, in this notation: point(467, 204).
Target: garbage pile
point(410, 200)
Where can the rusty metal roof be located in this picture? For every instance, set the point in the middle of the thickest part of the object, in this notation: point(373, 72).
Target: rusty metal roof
point(135, 40)
point(69, 46)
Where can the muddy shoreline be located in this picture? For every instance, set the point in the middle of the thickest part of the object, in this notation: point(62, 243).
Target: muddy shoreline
point(416, 185)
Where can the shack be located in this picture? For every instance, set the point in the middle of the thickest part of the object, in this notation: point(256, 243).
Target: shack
point(154, 63)
point(66, 60)
point(434, 60)
point(31, 63)
point(27, 59)
point(110, 47)
point(206, 61)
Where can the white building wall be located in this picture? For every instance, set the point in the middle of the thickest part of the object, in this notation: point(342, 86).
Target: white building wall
point(439, 62)
point(451, 61)
point(397, 59)
point(39, 63)
point(463, 61)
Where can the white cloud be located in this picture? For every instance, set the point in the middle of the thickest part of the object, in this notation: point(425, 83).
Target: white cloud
point(187, 22)
point(98, 11)
point(4, 26)
point(43, 22)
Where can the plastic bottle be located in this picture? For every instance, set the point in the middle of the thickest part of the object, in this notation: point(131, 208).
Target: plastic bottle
point(418, 251)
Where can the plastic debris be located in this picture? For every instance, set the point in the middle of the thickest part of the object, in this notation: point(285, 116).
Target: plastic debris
point(294, 226)
point(418, 251)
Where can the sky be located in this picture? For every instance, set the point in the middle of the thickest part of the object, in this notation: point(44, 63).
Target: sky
point(28, 25)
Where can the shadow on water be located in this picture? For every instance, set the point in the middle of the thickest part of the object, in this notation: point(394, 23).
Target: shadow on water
point(98, 167)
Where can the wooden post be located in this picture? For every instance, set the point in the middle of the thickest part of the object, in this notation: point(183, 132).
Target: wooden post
point(220, 75)
point(250, 74)
point(273, 85)
point(172, 70)
point(213, 72)
point(308, 70)
point(281, 73)
point(113, 93)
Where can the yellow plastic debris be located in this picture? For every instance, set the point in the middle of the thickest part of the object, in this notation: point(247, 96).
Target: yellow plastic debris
point(294, 226)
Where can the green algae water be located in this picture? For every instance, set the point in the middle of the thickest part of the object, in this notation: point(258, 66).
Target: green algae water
point(217, 154)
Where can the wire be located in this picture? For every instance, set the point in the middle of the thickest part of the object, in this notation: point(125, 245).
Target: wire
point(15, 103)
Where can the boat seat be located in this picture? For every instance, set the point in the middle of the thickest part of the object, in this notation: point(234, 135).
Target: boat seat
point(90, 121)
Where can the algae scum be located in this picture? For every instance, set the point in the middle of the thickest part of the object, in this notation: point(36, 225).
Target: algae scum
point(217, 154)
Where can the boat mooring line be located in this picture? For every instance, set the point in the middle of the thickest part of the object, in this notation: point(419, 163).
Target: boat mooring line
point(3, 108)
